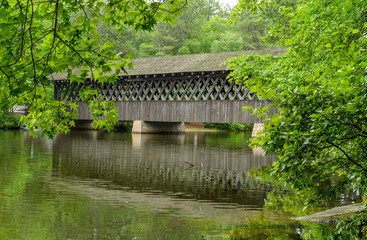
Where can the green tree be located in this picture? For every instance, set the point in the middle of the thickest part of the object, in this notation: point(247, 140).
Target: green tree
point(252, 28)
point(42, 38)
point(208, 8)
point(319, 87)
point(183, 50)
point(202, 27)
point(125, 42)
point(160, 39)
point(228, 42)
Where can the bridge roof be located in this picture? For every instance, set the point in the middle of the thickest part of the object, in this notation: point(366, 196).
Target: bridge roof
point(182, 63)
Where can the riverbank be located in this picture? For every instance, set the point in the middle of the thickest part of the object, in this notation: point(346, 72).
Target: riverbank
point(217, 127)
point(331, 216)
point(203, 130)
point(199, 127)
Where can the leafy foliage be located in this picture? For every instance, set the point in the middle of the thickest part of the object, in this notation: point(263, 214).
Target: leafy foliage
point(297, 201)
point(203, 27)
point(38, 39)
point(123, 126)
point(229, 126)
point(284, 197)
point(9, 121)
point(319, 87)
point(354, 226)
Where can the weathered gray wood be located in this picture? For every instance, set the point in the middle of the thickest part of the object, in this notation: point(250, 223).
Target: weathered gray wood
point(198, 86)
point(183, 111)
point(176, 97)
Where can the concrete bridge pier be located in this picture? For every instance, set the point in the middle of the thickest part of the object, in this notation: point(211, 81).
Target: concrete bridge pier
point(158, 127)
point(258, 127)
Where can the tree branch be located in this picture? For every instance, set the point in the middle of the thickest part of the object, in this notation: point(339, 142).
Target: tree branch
point(347, 156)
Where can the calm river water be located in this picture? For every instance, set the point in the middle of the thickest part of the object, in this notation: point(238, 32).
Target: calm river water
point(93, 185)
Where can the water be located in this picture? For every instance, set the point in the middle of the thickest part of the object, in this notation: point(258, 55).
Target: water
point(92, 185)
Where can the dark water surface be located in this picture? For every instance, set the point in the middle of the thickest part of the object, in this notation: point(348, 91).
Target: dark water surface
point(92, 185)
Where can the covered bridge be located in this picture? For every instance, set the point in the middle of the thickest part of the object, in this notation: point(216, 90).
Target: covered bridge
point(173, 89)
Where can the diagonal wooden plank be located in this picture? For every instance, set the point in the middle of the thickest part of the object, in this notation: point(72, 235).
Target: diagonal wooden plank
point(163, 85)
point(185, 92)
point(146, 92)
point(202, 88)
point(213, 88)
point(178, 92)
point(229, 86)
point(125, 91)
point(221, 91)
point(193, 88)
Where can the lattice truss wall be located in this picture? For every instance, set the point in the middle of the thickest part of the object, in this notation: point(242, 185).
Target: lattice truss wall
point(193, 86)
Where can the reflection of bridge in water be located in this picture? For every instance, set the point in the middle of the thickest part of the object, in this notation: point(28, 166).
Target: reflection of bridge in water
point(159, 164)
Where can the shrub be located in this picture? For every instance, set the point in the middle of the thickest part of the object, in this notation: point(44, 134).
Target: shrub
point(9, 121)
point(229, 126)
point(183, 50)
point(123, 126)
point(353, 227)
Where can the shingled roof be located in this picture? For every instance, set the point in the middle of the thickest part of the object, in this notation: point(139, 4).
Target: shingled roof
point(183, 63)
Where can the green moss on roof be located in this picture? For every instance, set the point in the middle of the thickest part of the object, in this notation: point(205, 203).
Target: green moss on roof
point(183, 63)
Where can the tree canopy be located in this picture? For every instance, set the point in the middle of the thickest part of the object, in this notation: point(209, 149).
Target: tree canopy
point(203, 27)
point(319, 86)
point(38, 38)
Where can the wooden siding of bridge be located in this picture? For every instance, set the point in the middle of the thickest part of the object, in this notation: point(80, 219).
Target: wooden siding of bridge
point(183, 111)
point(174, 97)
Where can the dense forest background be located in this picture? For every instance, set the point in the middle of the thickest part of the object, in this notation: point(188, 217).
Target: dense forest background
point(204, 26)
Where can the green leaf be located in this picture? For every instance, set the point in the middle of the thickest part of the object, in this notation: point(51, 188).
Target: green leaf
point(247, 108)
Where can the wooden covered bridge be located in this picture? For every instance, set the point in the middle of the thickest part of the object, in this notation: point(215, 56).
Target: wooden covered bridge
point(163, 92)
